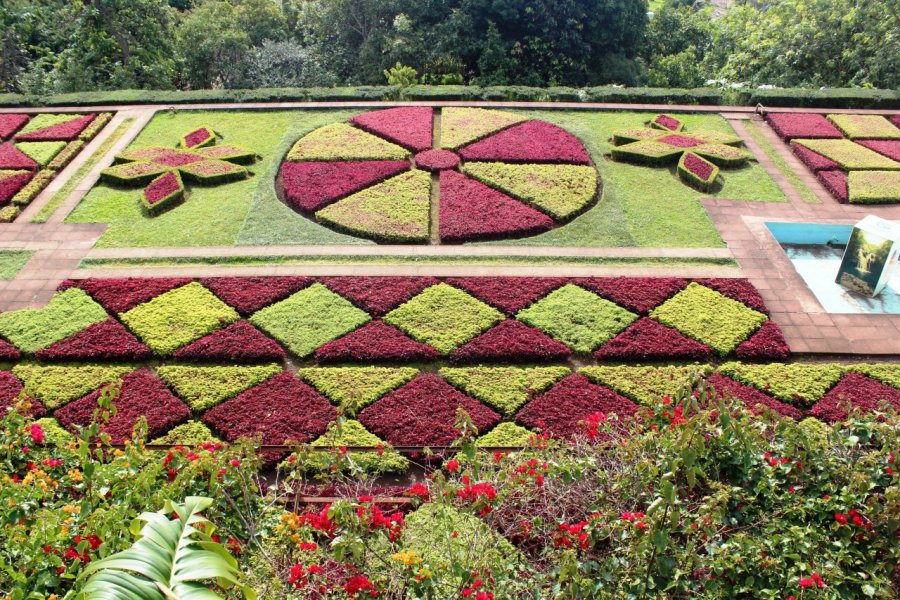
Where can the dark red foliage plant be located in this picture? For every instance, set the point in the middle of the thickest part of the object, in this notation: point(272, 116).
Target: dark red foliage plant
point(559, 411)
point(726, 387)
point(107, 340)
point(409, 126)
point(815, 161)
point(509, 294)
point(802, 125)
point(10, 185)
point(511, 341)
point(11, 123)
point(310, 186)
point(378, 295)
point(10, 389)
point(11, 158)
point(639, 294)
point(423, 413)
point(836, 184)
point(123, 294)
point(680, 141)
point(162, 188)
point(249, 294)
point(737, 289)
point(240, 342)
point(854, 392)
point(376, 342)
point(142, 394)
point(529, 142)
point(698, 167)
point(63, 132)
point(648, 340)
point(766, 344)
point(889, 148)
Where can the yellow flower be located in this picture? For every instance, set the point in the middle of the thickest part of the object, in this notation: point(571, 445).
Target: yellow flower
point(70, 508)
point(75, 475)
point(408, 558)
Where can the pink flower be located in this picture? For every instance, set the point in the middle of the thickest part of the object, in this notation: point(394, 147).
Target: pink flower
point(452, 466)
point(37, 433)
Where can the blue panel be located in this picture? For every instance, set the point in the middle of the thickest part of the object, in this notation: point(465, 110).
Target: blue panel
point(810, 233)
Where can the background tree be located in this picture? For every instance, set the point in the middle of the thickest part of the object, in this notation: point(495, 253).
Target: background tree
point(212, 44)
point(675, 47)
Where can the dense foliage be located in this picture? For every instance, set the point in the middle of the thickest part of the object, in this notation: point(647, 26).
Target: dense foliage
point(52, 46)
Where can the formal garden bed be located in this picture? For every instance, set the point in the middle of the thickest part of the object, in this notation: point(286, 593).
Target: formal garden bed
point(34, 148)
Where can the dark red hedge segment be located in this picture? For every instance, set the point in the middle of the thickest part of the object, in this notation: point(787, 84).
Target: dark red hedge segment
point(378, 295)
point(409, 126)
point(802, 125)
point(836, 183)
point(121, 295)
point(511, 341)
point(854, 391)
point(8, 351)
point(889, 148)
point(10, 388)
point(470, 210)
point(766, 344)
point(107, 340)
point(196, 137)
point(639, 294)
point(10, 186)
point(249, 294)
point(815, 161)
point(162, 187)
point(895, 119)
point(436, 160)
point(648, 340)
point(378, 342)
point(310, 186)
point(142, 394)
point(729, 388)
point(572, 400)
point(737, 289)
point(532, 141)
point(280, 410)
point(423, 413)
point(680, 141)
point(13, 158)
point(11, 123)
point(698, 167)
point(64, 132)
point(239, 342)
point(509, 294)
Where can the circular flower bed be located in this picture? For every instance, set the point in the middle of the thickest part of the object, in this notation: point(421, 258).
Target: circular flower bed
point(494, 175)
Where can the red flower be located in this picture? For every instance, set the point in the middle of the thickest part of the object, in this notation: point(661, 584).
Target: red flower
point(806, 582)
point(452, 465)
point(840, 518)
point(37, 433)
point(359, 584)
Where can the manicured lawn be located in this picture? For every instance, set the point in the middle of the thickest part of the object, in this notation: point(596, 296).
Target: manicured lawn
point(12, 261)
point(782, 165)
point(640, 206)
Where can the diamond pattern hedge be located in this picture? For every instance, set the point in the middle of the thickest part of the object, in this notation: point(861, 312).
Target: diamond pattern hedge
point(856, 157)
point(493, 175)
point(35, 148)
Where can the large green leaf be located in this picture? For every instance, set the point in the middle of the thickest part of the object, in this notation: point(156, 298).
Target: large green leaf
point(173, 559)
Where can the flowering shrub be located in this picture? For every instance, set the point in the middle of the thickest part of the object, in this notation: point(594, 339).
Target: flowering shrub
point(311, 186)
point(377, 342)
point(409, 126)
point(239, 342)
point(802, 125)
point(816, 162)
point(865, 127)
point(8, 352)
point(11, 158)
point(646, 339)
point(10, 388)
point(54, 128)
point(697, 172)
point(250, 294)
point(142, 396)
point(890, 148)
point(232, 154)
point(470, 210)
point(106, 340)
point(529, 142)
point(423, 413)
point(11, 123)
point(511, 341)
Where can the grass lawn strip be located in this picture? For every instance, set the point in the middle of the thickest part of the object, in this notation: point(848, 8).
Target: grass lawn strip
point(12, 261)
point(753, 128)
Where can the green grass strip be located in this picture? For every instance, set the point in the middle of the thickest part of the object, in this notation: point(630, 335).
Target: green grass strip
point(12, 261)
point(805, 193)
point(57, 199)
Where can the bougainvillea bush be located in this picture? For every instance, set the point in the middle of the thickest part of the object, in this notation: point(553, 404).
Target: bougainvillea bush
point(498, 175)
point(856, 157)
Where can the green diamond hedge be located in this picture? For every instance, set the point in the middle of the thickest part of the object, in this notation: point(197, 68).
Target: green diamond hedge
point(506, 389)
point(802, 384)
point(56, 385)
point(203, 387)
point(66, 313)
point(647, 385)
point(354, 388)
point(349, 433)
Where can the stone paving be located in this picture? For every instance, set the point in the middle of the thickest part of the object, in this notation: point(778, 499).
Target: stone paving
point(59, 247)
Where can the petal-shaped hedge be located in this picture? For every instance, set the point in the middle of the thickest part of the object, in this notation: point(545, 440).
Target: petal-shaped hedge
point(350, 176)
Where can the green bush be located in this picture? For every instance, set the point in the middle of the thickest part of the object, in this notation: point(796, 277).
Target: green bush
point(865, 127)
point(341, 141)
point(709, 317)
point(578, 318)
point(870, 187)
point(9, 213)
point(354, 388)
point(887, 373)
point(722, 154)
point(347, 432)
point(443, 317)
point(647, 152)
point(41, 152)
point(505, 435)
point(647, 385)
point(693, 179)
point(68, 312)
point(309, 318)
point(96, 125)
point(203, 387)
point(192, 434)
point(821, 98)
point(56, 385)
point(66, 155)
point(178, 317)
point(504, 388)
point(802, 384)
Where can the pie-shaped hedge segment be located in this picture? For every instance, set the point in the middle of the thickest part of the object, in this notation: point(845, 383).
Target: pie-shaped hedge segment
point(492, 175)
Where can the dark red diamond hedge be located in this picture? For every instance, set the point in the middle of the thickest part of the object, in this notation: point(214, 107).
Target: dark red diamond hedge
point(409, 126)
point(121, 295)
point(638, 294)
point(854, 392)
point(240, 342)
point(766, 344)
point(511, 341)
point(249, 294)
point(375, 342)
point(647, 340)
point(378, 295)
point(726, 387)
point(530, 142)
point(509, 294)
point(107, 340)
point(815, 161)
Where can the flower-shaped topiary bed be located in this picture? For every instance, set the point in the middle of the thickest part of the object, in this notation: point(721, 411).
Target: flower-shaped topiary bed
point(856, 157)
point(35, 148)
point(492, 175)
